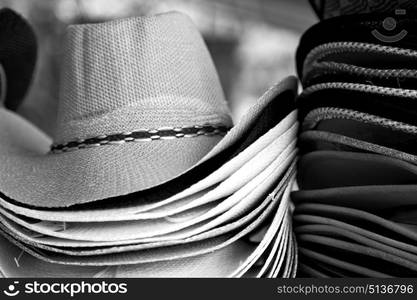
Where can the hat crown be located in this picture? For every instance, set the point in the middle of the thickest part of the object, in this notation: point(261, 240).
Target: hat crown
point(129, 74)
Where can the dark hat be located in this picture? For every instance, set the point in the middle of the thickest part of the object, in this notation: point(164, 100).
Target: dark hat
point(18, 50)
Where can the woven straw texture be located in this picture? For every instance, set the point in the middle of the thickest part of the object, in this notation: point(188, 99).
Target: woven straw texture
point(137, 73)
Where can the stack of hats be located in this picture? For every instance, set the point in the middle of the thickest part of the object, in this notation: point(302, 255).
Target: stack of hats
point(146, 176)
point(334, 8)
point(356, 211)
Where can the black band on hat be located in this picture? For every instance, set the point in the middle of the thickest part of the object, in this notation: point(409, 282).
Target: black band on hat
point(143, 135)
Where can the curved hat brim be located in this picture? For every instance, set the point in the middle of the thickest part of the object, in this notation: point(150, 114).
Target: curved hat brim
point(358, 125)
point(168, 253)
point(30, 177)
point(384, 237)
point(225, 180)
point(160, 229)
point(207, 265)
point(330, 169)
point(313, 140)
point(391, 103)
point(340, 264)
point(359, 255)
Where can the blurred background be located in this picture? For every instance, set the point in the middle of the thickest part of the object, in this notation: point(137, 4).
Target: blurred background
point(252, 42)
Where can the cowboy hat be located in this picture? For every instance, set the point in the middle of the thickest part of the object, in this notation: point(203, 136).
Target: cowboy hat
point(140, 105)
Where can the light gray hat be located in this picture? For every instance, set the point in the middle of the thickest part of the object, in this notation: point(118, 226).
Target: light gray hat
point(140, 104)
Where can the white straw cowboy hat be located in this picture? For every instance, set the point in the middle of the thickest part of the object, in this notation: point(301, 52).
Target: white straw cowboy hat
point(140, 104)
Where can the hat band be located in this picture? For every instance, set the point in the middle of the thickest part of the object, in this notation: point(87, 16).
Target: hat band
point(3, 84)
point(143, 135)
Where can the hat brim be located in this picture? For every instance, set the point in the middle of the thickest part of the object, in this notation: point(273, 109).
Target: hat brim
point(313, 140)
point(266, 208)
point(375, 232)
point(341, 265)
point(328, 169)
point(221, 182)
point(362, 256)
point(160, 229)
point(217, 264)
point(241, 251)
point(358, 217)
point(369, 198)
point(356, 125)
point(341, 233)
point(305, 220)
point(72, 247)
point(391, 103)
point(30, 177)
point(180, 251)
point(34, 238)
point(352, 28)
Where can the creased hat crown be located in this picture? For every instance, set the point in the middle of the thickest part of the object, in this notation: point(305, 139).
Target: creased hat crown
point(137, 73)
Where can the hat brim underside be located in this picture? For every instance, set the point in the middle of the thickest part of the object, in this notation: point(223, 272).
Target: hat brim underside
point(31, 176)
point(370, 197)
point(361, 54)
point(359, 232)
point(356, 220)
point(327, 169)
point(391, 103)
point(314, 140)
point(204, 265)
